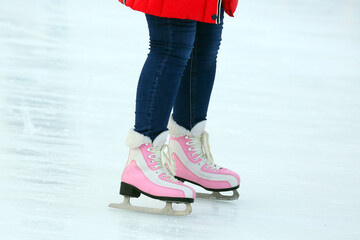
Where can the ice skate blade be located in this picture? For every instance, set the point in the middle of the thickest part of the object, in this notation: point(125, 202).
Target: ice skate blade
point(218, 195)
point(167, 210)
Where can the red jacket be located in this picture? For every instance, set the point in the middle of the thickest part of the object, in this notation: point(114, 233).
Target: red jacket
point(200, 10)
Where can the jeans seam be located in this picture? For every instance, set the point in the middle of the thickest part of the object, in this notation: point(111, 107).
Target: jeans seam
point(191, 85)
point(190, 90)
point(158, 75)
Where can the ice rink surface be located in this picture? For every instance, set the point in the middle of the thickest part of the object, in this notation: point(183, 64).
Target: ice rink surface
point(285, 114)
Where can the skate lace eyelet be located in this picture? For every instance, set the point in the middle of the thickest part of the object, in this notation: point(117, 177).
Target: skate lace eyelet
point(146, 144)
point(189, 149)
point(186, 137)
point(187, 143)
point(206, 167)
point(148, 149)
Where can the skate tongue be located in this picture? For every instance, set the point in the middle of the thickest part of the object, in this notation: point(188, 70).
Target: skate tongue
point(160, 139)
point(164, 159)
point(198, 129)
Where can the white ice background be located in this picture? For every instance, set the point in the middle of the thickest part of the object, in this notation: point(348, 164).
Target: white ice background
point(285, 115)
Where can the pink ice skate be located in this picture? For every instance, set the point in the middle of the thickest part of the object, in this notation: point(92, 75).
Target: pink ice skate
point(145, 172)
point(195, 164)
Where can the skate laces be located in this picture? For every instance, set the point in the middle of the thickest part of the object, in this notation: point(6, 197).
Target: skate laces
point(201, 148)
point(162, 158)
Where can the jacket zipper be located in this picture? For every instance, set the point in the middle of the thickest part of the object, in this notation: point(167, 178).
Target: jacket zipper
point(124, 2)
point(218, 11)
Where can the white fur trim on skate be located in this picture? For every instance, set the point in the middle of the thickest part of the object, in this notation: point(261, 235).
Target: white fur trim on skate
point(160, 139)
point(178, 131)
point(135, 139)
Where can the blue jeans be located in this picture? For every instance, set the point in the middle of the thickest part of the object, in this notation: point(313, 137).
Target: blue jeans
point(179, 73)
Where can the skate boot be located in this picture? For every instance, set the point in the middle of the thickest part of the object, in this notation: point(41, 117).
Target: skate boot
point(149, 171)
point(195, 164)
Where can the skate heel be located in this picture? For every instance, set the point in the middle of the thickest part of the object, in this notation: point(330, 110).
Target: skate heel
point(129, 190)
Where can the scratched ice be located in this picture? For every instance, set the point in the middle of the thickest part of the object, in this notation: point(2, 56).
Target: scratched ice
point(285, 114)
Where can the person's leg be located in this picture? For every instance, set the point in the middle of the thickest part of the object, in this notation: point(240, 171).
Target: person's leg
point(193, 96)
point(189, 142)
point(171, 43)
point(148, 170)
